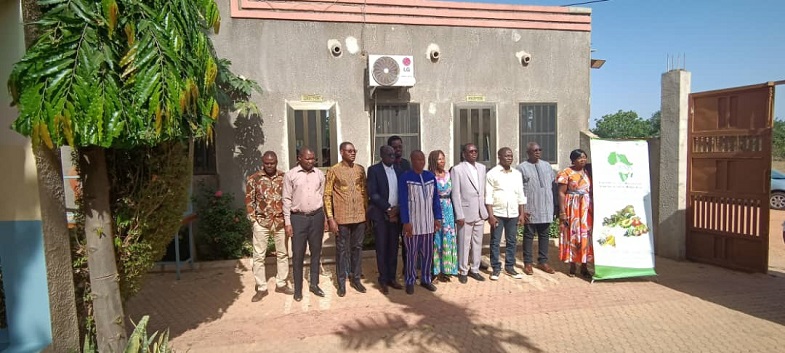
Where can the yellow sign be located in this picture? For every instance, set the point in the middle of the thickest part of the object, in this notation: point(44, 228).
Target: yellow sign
point(475, 98)
point(312, 98)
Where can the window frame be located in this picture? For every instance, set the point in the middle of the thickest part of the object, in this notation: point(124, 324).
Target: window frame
point(374, 135)
point(209, 151)
point(458, 141)
point(523, 141)
point(330, 107)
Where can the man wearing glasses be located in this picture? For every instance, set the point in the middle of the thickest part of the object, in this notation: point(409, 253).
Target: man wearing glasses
point(383, 211)
point(468, 197)
point(345, 200)
point(538, 177)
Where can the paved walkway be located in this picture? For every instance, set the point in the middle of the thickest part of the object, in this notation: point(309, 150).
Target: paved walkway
point(689, 307)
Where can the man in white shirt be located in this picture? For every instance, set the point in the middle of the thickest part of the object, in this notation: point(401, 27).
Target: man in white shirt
point(505, 200)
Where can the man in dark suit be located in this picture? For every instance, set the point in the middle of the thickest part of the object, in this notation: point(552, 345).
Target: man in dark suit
point(383, 212)
point(403, 165)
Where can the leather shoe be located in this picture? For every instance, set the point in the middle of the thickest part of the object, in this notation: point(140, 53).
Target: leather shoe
point(383, 288)
point(545, 268)
point(527, 269)
point(285, 290)
point(409, 289)
point(395, 285)
point(316, 291)
point(298, 297)
point(428, 286)
point(463, 279)
point(476, 276)
point(258, 296)
point(357, 286)
point(341, 289)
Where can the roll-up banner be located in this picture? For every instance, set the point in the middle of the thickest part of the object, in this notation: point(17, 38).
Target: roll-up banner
point(622, 234)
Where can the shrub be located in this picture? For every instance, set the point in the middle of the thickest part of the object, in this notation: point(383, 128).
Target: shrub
point(139, 341)
point(553, 231)
point(149, 192)
point(223, 231)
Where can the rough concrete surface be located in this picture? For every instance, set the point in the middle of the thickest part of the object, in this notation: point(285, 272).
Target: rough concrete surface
point(689, 307)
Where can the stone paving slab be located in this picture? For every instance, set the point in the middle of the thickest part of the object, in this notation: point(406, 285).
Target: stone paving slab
point(689, 307)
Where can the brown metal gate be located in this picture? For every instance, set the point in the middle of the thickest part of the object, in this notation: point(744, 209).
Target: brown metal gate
point(728, 177)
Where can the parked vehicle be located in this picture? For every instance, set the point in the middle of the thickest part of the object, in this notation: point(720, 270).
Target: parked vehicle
point(777, 198)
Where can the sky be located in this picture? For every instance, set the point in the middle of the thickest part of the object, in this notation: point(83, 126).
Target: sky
point(727, 43)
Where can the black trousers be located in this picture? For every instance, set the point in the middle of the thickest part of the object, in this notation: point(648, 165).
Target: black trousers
point(541, 229)
point(386, 240)
point(307, 230)
point(348, 250)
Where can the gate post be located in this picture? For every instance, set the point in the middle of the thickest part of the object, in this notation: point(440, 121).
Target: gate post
point(670, 240)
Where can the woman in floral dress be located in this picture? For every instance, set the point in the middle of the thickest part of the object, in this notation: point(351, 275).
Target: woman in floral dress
point(575, 214)
point(445, 248)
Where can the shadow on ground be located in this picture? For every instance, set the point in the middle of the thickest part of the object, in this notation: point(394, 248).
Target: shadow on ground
point(430, 321)
point(205, 294)
point(437, 322)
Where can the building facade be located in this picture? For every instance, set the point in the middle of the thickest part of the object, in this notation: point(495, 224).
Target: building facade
point(493, 75)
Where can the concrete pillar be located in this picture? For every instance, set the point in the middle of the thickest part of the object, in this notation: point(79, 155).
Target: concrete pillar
point(670, 239)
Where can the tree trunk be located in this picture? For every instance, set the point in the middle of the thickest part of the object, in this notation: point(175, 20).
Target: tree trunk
point(99, 235)
point(57, 248)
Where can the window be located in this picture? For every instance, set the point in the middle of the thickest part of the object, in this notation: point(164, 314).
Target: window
point(204, 156)
point(314, 128)
point(538, 124)
point(476, 124)
point(402, 119)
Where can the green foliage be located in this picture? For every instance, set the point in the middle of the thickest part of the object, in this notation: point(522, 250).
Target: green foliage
point(627, 125)
point(778, 140)
point(223, 231)
point(148, 196)
point(139, 341)
point(118, 73)
point(553, 231)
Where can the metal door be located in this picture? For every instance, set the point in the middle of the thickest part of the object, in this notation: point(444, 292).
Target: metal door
point(728, 177)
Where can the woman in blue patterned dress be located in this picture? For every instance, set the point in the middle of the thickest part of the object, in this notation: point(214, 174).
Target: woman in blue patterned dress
point(445, 248)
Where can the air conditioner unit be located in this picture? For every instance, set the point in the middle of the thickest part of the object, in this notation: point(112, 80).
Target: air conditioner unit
point(390, 71)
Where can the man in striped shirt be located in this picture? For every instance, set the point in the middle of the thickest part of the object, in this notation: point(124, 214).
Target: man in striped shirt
point(421, 215)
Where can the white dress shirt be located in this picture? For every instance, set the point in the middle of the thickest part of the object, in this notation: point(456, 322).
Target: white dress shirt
point(504, 190)
point(392, 184)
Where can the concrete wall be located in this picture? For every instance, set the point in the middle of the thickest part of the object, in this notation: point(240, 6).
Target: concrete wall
point(291, 58)
point(21, 236)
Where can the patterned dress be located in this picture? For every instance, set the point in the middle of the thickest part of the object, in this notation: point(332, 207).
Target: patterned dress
point(575, 236)
point(445, 248)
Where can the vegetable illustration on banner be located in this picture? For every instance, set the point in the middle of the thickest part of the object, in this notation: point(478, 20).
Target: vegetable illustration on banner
point(622, 236)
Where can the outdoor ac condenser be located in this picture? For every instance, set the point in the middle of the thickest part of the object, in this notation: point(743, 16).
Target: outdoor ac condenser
point(390, 71)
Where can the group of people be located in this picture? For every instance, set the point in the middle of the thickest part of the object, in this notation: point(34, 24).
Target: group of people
point(438, 213)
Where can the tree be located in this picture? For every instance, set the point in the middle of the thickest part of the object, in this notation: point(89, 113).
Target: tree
point(778, 140)
point(656, 123)
point(627, 124)
point(115, 74)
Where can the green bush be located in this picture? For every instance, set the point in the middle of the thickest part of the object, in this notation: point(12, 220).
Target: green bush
point(139, 341)
point(553, 231)
point(149, 194)
point(223, 231)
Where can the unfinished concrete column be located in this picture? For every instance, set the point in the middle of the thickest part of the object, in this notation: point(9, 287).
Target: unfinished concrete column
point(670, 240)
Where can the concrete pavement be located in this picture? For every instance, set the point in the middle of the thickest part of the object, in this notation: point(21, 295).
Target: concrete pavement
point(689, 307)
